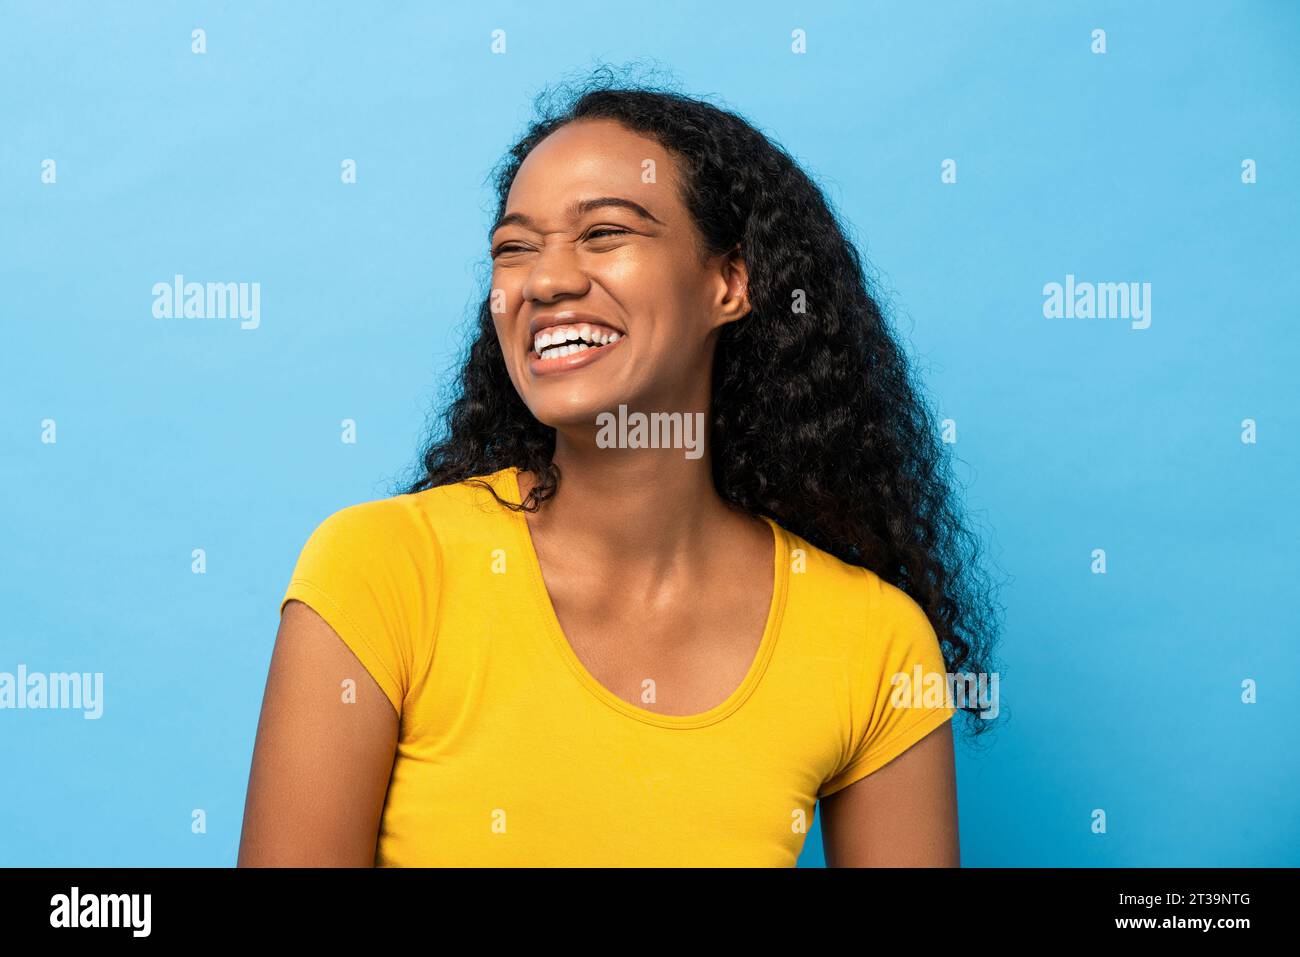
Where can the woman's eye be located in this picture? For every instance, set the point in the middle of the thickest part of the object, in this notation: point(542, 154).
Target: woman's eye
point(598, 233)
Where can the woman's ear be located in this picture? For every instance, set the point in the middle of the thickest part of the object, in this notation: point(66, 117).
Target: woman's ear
point(733, 296)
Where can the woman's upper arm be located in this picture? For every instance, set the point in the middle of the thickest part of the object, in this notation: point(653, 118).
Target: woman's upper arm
point(322, 761)
point(902, 815)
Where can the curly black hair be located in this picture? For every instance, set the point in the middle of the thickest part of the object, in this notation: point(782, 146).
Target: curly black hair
point(814, 419)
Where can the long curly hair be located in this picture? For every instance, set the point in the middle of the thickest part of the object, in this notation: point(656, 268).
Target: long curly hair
point(814, 419)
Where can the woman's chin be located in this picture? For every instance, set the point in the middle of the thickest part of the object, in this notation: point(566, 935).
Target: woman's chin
point(575, 418)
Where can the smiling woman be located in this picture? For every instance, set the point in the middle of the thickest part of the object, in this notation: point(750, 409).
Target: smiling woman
point(663, 659)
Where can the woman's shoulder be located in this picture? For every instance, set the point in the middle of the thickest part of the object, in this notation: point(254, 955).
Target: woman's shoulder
point(411, 523)
point(467, 509)
point(857, 592)
point(473, 493)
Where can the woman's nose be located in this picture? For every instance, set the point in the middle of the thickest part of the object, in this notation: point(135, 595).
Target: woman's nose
point(556, 272)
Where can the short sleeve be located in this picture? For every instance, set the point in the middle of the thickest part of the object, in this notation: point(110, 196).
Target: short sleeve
point(372, 572)
point(902, 692)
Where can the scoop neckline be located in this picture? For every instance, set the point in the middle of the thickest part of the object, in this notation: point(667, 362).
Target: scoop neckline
point(553, 628)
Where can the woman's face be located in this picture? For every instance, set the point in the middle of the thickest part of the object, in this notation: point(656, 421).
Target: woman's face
point(599, 292)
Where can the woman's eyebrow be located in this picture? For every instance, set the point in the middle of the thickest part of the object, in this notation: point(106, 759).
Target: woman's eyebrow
point(579, 208)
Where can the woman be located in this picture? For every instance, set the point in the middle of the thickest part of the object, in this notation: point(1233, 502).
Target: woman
point(573, 640)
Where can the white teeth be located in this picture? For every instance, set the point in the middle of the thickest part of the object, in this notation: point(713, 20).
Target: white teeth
point(559, 352)
point(555, 343)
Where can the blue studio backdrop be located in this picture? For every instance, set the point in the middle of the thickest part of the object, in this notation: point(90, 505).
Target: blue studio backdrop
point(1130, 465)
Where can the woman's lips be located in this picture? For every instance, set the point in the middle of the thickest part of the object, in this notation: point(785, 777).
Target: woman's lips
point(539, 366)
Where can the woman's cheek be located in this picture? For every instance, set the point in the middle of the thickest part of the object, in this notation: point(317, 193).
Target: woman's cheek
point(630, 267)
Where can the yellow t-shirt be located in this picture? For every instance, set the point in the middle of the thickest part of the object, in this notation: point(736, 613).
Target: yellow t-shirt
point(510, 753)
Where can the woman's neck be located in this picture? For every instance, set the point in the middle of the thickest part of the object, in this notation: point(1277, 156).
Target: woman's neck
point(643, 509)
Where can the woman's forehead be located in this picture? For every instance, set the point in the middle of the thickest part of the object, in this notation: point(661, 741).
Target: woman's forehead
point(566, 181)
point(596, 157)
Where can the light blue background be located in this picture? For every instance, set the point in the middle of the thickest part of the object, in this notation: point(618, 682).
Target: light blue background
point(1121, 691)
